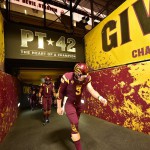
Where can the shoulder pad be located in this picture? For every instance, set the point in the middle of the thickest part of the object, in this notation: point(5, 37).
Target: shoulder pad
point(67, 77)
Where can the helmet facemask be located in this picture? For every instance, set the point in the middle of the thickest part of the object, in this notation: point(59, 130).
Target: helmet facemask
point(80, 77)
point(47, 80)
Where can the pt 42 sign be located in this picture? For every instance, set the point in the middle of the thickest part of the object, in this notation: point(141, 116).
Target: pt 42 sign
point(65, 44)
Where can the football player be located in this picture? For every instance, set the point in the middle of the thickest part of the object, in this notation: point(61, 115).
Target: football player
point(46, 92)
point(72, 86)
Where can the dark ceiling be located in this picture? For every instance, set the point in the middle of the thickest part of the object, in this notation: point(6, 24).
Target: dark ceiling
point(98, 10)
point(99, 6)
point(32, 71)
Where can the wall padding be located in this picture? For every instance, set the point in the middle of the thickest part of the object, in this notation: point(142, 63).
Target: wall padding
point(9, 96)
point(127, 89)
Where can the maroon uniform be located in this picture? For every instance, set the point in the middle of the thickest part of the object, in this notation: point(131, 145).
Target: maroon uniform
point(72, 88)
point(32, 98)
point(47, 92)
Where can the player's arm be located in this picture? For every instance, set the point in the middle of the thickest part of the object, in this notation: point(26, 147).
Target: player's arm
point(61, 94)
point(95, 94)
point(40, 91)
point(54, 91)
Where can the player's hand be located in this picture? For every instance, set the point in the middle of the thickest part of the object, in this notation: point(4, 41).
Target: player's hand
point(103, 100)
point(39, 95)
point(60, 111)
point(40, 102)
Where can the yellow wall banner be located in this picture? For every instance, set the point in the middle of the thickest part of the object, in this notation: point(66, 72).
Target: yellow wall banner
point(1, 43)
point(121, 38)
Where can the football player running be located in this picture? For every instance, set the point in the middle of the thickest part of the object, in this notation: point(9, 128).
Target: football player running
point(72, 86)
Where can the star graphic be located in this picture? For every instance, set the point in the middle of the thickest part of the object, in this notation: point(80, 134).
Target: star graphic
point(50, 42)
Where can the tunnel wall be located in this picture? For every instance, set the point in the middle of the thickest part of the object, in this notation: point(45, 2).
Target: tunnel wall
point(9, 97)
point(127, 89)
point(118, 55)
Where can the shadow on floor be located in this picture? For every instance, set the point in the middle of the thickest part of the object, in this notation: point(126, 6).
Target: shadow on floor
point(28, 133)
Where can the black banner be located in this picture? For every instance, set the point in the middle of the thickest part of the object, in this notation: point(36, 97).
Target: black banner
point(22, 42)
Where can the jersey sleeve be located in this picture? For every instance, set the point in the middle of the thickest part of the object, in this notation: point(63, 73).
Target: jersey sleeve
point(41, 88)
point(62, 87)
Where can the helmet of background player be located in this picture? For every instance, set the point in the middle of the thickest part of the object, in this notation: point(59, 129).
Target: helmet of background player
point(33, 88)
point(48, 80)
point(80, 71)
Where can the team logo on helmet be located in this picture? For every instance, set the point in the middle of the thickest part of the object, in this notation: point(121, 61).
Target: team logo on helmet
point(47, 78)
point(81, 68)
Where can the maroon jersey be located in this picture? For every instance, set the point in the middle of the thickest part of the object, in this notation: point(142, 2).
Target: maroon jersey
point(47, 90)
point(71, 88)
point(33, 96)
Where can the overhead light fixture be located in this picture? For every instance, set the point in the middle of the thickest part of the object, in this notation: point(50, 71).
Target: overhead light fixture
point(25, 11)
point(4, 6)
point(96, 22)
point(82, 23)
point(85, 20)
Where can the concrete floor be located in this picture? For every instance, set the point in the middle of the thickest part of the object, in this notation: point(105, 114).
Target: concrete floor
point(28, 133)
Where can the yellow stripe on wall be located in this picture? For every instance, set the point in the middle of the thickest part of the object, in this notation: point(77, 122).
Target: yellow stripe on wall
point(1, 43)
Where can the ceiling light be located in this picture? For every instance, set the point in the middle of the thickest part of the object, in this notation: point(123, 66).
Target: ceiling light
point(25, 11)
point(85, 19)
point(4, 6)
